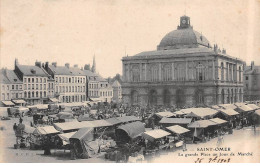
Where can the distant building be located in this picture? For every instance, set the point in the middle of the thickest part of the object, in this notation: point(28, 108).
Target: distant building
point(105, 90)
point(184, 71)
point(35, 82)
point(117, 91)
point(252, 82)
point(11, 87)
point(70, 82)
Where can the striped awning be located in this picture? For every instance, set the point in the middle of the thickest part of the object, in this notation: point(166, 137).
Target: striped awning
point(8, 103)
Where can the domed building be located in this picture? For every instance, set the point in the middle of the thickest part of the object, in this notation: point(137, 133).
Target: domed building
point(185, 70)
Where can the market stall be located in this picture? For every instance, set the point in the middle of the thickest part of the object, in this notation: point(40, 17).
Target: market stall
point(166, 122)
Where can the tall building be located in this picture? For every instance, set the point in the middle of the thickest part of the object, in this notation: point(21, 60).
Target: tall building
point(117, 91)
point(70, 82)
point(185, 70)
point(11, 88)
point(252, 82)
point(34, 82)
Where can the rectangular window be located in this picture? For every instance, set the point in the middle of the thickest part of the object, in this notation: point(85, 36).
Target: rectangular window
point(12, 86)
point(66, 79)
point(29, 79)
point(25, 87)
point(29, 86)
point(8, 97)
point(40, 80)
point(36, 80)
point(16, 87)
point(24, 80)
point(36, 86)
point(62, 79)
point(40, 86)
point(32, 86)
point(32, 80)
point(44, 86)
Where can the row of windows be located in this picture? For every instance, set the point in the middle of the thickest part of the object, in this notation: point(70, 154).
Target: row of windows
point(93, 93)
point(93, 86)
point(8, 96)
point(35, 80)
point(107, 93)
point(70, 89)
point(13, 87)
point(35, 94)
point(70, 79)
point(78, 98)
point(35, 86)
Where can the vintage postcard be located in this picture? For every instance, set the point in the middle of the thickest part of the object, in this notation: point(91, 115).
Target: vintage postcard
point(140, 81)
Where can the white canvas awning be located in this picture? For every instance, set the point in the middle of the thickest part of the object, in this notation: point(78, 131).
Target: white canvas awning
point(8, 103)
point(46, 130)
point(218, 120)
point(19, 101)
point(54, 100)
point(155, 134)
point(177, 129)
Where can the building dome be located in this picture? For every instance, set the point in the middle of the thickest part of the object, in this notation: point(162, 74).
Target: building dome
point(183, 37)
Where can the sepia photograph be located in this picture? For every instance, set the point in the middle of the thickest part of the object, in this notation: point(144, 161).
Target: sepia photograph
point(129, 81)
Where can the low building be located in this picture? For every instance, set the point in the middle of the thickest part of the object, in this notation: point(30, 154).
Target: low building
point(34, 82)
point(117, 91)
point(252, 82)
point(70, 82)
point(11, 88)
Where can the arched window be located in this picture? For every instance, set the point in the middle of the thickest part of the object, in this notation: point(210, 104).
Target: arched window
point(166, 97)
point(235, 98)
point(228, 97)
point(180, 98)
point(222, 71)
point(153, 98)
point(222, 96)
point(134, 98)
point(180, 72)
point(200, 72)
point(167, 73)
point(240, 74)
point(199, 97)
point(154, 73)
point(232, 96)
point(240, 95)
point(136, 73)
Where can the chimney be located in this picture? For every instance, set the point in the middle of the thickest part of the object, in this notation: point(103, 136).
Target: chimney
point(67, 65)
point(76, 66)
point(54, 64)
point(87, 67)
point(46, 65)
point(38, 64)
point(252, 65)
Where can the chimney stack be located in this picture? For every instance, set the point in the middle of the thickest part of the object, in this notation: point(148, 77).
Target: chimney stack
point(38, 64)
point(54, 64)
point(76, 66)
point(252, 65)
point(67, 65)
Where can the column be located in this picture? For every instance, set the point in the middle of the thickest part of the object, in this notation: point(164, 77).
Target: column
point(231, 74)
point(160, 71)
point(124, 73)
point(173, 71)
point(145, 72)
point(213, 70)
point(141, 71)
point(186, 71)
point(128, 74)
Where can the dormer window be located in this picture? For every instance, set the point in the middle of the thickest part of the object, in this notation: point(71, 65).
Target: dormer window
point(33, 71)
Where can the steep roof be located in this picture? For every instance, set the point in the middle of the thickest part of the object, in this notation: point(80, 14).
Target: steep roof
point(60, 70)
point(28, 70)
point(116, 84)
point(9, 77)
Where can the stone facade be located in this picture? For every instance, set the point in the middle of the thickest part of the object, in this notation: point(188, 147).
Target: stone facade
point(252, 83)
point(184, 71)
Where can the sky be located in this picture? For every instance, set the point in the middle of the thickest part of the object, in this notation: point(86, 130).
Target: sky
point(73, 31)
